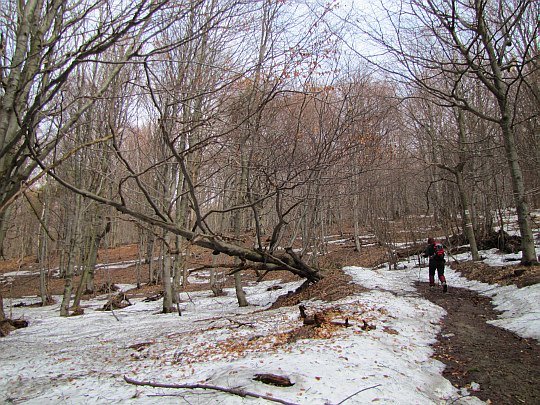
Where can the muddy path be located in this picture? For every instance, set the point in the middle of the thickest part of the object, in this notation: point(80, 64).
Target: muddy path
point(506, 366)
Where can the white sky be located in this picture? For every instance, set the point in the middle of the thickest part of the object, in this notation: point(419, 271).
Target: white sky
point(82, 360)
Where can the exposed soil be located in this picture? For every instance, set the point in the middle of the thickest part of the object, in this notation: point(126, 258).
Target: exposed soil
point(506, 367)
point(334, 286)
point(521, 276)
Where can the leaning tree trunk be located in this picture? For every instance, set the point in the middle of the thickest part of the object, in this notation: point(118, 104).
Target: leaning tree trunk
point(215, 243)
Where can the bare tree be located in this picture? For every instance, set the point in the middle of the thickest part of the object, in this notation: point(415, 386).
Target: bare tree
point(442, 134)
point(225, 133)
point(454, 41)
point(44, 43)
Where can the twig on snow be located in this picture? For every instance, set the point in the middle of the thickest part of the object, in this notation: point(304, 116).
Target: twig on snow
point(358, 392)
point(241, 323)
point(234, 391)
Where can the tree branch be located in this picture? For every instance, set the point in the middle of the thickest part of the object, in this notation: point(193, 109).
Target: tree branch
point(234, 391)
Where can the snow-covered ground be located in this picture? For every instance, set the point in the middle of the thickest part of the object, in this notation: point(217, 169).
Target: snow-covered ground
point(83, 359)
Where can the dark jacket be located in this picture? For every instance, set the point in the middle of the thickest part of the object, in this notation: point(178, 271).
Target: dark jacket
point(430, 252)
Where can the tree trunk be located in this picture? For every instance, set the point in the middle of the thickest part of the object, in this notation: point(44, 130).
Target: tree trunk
point(520, 198)
point(213, 285)
point(355, 207)
point(68, 282)
point(42, 258)
point(182, 213)
point(70, 266)
point(160, 256)
point(467, 221)
point(2, 313)
point(167, 290)
point(241, 181)
point(4, 221)
point(95, 242)
point(466, 208)
point(150, 249)
point(356, 235)
point(88, 273)
point(139, 258)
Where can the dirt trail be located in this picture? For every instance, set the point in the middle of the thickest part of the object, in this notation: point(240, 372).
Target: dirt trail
point(506, 366)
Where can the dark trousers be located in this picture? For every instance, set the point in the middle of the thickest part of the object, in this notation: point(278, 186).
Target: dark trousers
point(437, 265)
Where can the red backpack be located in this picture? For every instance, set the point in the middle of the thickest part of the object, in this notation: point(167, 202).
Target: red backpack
point(439, 250)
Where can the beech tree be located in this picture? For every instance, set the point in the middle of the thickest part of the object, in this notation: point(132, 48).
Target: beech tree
point(42, 44)
point(442, 141)
point(228, 134)
point(459, 42)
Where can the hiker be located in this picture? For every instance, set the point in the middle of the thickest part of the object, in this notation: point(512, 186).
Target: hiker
point(435, 252)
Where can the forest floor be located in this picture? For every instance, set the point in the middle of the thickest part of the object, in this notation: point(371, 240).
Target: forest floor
point(506, 366)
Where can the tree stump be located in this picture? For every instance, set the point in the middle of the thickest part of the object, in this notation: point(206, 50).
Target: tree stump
point(118, 301)
point(9, 325)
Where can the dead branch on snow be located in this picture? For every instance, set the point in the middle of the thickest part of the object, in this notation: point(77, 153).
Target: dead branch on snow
point(234, 391)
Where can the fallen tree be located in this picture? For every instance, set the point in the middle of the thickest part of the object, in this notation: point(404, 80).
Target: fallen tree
point(217, 243)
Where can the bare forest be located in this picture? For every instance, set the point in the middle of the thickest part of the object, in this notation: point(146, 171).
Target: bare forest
point(247, 129)
point(293, 155)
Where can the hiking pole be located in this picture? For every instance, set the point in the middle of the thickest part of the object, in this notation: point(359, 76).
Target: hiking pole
point(419, 266)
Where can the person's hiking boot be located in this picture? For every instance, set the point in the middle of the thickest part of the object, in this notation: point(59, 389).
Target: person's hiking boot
point(444, 287)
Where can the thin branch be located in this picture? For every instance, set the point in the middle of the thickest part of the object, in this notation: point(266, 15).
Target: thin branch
point(38, 217)
point(358, 392)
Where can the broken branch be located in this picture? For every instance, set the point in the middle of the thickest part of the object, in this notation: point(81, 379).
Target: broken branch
point(234, 391)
